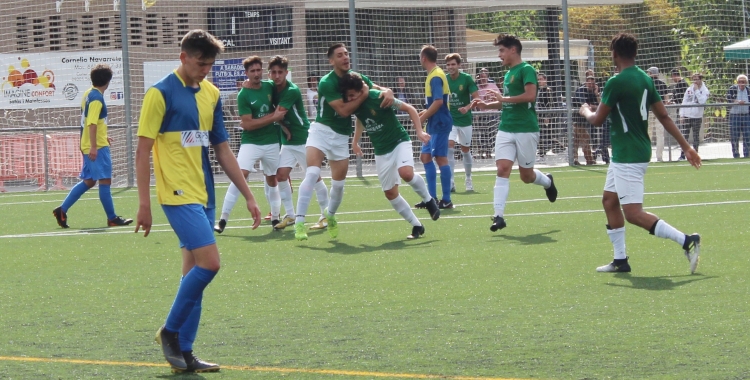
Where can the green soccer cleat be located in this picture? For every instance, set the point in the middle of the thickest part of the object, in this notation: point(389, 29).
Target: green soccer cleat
point(333, 225)
point(299, 231)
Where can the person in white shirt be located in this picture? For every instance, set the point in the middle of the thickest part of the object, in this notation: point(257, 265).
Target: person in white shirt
point(692, 117)
point(312, 95)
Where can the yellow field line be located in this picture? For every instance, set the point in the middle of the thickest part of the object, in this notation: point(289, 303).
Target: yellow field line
point(256, 369)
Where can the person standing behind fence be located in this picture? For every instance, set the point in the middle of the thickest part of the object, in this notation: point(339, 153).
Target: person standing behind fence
point(585, 94)
point(312, 95)
point(739, 116)
point(654, 127)
point(545, 99)
point(692, 117)
point(97, 162)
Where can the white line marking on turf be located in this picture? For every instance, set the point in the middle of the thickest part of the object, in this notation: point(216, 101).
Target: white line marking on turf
point(100, 231)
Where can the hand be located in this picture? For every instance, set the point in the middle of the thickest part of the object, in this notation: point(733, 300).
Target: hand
point(143, 220)
point(279, 114)
point(357, 150)
point(92, 153)
point(423, 137)
point(254, 211)
point(693, 158)
point(494, 95)
point(387, 97)
point(584, 108)
point(741, 101)
point(287, 134)
point(478, 104)
point(109, 140)
point(463, 110)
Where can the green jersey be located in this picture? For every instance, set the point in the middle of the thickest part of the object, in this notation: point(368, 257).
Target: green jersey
point(296, 120)
point(461, 90)
point(630, 95)
point(258, 103)
point(328, 91)
point(381, 124)
point(519, 117)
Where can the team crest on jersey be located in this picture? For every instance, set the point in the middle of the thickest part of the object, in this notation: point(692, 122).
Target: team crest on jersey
point(460, 87)
point(194, 138)
point(512, 77)
point(373, 112)
point(269, 97)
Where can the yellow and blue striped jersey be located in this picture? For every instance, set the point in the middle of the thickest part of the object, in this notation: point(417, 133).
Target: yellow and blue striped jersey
point(436, 87)
point(93, 111)
point(183, 121)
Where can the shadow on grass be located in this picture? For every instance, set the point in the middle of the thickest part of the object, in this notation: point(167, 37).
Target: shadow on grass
point(540, 238)
point(658, 282)
point(271, 235)
point(347, 249)
point(190, 375)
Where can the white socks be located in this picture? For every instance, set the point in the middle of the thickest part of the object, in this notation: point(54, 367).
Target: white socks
point(274, 199)
point(664, 230)
point(285, 193)
point(541, 179)
point(617, 237)
point(304, 193)
point(502, 187)
point(337, 195)
point(402, 207)
point(468, 161)
point(420, 187)
point(229, 200)
point(322, 193)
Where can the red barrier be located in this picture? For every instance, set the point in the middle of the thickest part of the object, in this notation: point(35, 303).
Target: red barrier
point(21, 158)
point(65, 157)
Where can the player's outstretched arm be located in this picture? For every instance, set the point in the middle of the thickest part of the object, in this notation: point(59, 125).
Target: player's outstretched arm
point(661, 114)
point(415, 120)
point(229, 163)
point(528, 96)
point(596, 118)
point(143, 182)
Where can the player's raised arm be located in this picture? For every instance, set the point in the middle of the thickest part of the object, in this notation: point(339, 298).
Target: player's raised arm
point(414, 115)
point(386, 94)
point(346, 109)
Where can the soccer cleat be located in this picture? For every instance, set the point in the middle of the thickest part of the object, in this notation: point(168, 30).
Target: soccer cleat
point(333, 225)
point(220, 225)
point(443, 204)
point(118, 221)
point(498, 223)
point(274, 223)
point(267, 217)
point(299, 231)
point(692, 249)
point(61, 216)
point(416, 232)
point(617, 265)
point(320, 224)
point(433, 209)
point(287, 221)
point(170, 345)
point(421, 205)
point(453, 187)
point(469, 184)
point(552, 190)
point(195, 364)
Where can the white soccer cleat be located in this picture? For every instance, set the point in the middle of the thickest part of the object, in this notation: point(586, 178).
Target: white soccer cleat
point(469, 184)
point(692, 249)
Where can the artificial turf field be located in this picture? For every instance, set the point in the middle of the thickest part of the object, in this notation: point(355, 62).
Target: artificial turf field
point(460, 303)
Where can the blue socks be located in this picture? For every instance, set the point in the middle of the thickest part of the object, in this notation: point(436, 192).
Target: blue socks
point(74, 194)
point(188, 296)
point(445, 182)
point(430, 174)
point(105, 196)
point(189, 329)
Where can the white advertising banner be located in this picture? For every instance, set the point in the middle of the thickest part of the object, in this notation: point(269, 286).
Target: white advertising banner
point(156, 70)
point(56, 80)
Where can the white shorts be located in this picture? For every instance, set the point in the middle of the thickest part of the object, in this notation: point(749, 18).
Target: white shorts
point(291, 155)
point(461, 135)
point(267, 154)
point(334, 145)
point(518, 145)
point(627, 181)
point(388, 164)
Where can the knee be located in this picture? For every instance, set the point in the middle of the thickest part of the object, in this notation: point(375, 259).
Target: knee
point(527, 177)
point(391, 193)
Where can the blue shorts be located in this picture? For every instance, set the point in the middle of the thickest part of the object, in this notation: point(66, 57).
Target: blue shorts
point(99, 169)
point(193, 224)
point(438, 144)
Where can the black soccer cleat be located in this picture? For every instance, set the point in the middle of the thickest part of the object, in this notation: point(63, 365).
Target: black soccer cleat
point(61, 216)
point(692, 249)
point(119, 221)
point(220, 225)
point(445, 204)
point(416, 232)
point(274, 223)
point(498, 223)
point(433, 209)
point(421, 205)
point(616, 266)
point(552, 190)
point(195, 364)
point(170, 346)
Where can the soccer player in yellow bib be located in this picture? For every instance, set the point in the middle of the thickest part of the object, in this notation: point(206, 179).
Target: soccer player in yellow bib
point(180, 118)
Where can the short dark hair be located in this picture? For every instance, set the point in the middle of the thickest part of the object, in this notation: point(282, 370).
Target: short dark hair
point(252, 60)
point(350, 81)
point(333, 48)
point(543, 75)
point(625, 45)
point(279, 61)
point(676, 71)
point(453, 56)
point(201, 44)
point(101, 74)
point(429, 52)
point(509, 41)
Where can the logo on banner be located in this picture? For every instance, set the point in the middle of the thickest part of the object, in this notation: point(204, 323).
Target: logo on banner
point(70, 91)
point(25, 85)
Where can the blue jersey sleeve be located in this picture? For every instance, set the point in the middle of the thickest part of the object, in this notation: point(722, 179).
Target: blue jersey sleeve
point(218, 132)
point(436, 88)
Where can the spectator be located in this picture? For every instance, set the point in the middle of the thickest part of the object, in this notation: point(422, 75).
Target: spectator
point(485, 86)
point(692, 117)
point(402, 93)
point(678, 88)
point(739, 116)
point(312, 96)
point(545, 99)
point(581, 131)
point(654, 126)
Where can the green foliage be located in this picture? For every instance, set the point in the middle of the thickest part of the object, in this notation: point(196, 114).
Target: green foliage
point(527, 25)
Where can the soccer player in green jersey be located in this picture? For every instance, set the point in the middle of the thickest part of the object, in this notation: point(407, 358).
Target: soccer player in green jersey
point(627, 98)
point(463, 89)
point(518, 132)
point(328, 137)
point(394, 159)
point(288, 98)
point(260, 138)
